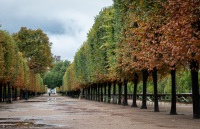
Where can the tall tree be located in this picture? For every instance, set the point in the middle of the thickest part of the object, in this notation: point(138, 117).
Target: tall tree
point(35, 46)
point(181, 39)
point(53, 78)
point(9, 56)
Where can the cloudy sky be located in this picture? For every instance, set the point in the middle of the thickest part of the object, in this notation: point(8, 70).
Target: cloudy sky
point(66, 22)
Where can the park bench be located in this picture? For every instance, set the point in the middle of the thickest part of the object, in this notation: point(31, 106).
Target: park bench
point(114, 99)
point(140, 98)
point(183, 99)
point(149, 99)
point(106, 98)
point(166, 98)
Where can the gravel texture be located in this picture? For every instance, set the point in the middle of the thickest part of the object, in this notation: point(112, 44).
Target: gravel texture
point(69, 113)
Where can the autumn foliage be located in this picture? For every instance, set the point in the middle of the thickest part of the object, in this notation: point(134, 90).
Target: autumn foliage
point(16, 60)
point(133, 37)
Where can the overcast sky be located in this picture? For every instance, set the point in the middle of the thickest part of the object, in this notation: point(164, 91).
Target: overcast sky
point(66, 22)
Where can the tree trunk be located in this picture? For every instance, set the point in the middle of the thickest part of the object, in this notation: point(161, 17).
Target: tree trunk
point(144, 100)
point(15, 93)
point(173, 96)
point(9, 93)
point(101, 92)
point(105, 90)
point(93, 92)
point(155, 81)
point(194, 67)
point(125, 103)
point(1, 95)
point(114, 93)
point(114, 88)
point(109, 91)
point(86, 93)
point(29, 94)
point(105, 94)
point(83, 93)
point(134, 104)
point(26, 95)
point(96, 87)
point(4, 94)
point(98, 92)
point(119, 92)
point(20, 94)
point(89, 93)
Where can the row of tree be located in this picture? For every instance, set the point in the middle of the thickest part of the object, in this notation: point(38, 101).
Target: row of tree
point(132, 39)
point(23, 56)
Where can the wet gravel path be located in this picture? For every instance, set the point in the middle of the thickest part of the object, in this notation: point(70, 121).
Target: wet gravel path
point(63, 112)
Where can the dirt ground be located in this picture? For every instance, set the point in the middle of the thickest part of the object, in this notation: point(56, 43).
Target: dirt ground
point(64, 112)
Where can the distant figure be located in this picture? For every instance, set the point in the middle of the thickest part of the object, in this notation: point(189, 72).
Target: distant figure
point(49, 94)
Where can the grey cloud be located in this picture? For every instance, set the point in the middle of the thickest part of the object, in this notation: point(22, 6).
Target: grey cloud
point(69, 27)
point(53, 27)
point(69, 20)
point(53, 16)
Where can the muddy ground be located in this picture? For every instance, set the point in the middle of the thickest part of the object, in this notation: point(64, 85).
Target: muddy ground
point(64, 112)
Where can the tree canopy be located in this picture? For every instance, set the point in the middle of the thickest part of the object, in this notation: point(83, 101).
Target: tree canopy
point(133, 37)
point(35, 46)
point(53, 77)
point(16, 62)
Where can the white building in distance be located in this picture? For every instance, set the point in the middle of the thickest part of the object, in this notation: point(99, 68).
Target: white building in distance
point(52, 91)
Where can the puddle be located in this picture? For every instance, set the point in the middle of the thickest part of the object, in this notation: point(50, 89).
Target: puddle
point(19, 123)
point(22, 125)
point(4, 108)
point(35, 101)
point(83, 113)
point(32, 119)
point(9, 119)
point(51, 100)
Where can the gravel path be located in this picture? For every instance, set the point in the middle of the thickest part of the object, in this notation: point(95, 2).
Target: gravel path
point(64, 112)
